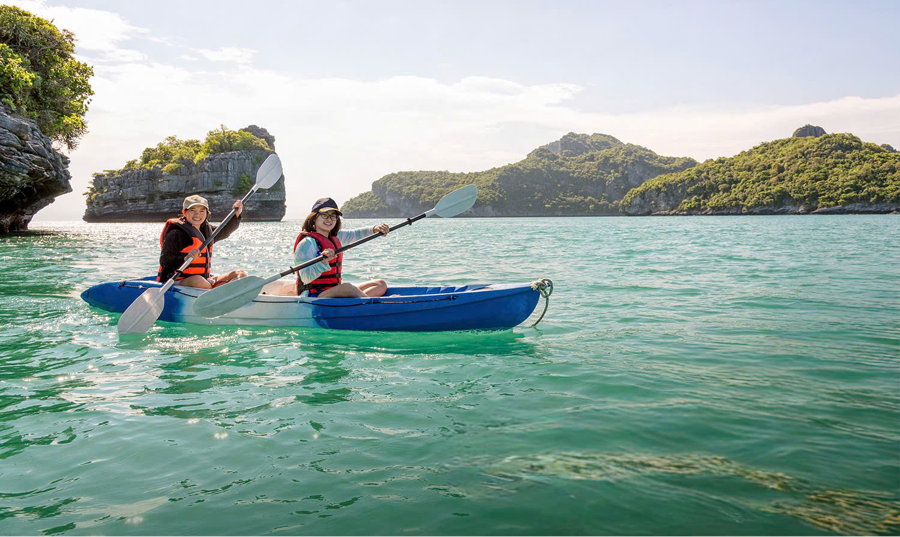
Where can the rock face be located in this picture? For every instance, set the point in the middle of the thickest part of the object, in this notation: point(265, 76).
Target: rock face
point(149, 195)
point(261, 133)
point(572, 144)
point(32, 173)
point(808, 130)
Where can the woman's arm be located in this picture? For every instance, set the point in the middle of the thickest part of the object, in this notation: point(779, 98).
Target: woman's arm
point(171, 256)
point(353, 235)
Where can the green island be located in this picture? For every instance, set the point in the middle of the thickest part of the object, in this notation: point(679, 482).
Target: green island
point(579, 174)
point(584, 175)
point(220, 168)
point(171, 154)
point(790, 175)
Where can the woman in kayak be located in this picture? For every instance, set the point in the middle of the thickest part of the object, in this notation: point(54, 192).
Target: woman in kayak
point(185, 235)
point(322, 235)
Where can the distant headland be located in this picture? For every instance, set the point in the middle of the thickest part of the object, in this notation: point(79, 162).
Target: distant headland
point(596, 175)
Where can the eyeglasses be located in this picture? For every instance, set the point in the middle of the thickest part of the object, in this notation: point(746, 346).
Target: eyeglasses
point(328, 216)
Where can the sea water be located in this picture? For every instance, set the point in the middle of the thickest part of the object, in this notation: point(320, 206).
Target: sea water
point(695, 375)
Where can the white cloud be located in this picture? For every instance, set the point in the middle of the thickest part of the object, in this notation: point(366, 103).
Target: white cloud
point(188, 58)
point(95, 30)
point(227, 54)
point(121, 55)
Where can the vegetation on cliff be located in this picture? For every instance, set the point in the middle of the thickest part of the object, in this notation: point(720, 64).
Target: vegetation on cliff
point(172, 153)
point(809, 172)
point(40, 78)
point(579, 174)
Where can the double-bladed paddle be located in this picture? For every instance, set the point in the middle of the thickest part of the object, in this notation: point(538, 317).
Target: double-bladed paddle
point(237, 293)
point(144, 311)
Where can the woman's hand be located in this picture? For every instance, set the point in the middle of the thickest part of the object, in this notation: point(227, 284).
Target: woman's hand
point(384, 229)
point(193, 254)
point(328, 254)
point(239, 206)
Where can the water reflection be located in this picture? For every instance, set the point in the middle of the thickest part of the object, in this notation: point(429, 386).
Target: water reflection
point(849, 512)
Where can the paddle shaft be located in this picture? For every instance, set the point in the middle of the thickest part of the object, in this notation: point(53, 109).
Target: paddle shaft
point(313, 261)
point(211, 238)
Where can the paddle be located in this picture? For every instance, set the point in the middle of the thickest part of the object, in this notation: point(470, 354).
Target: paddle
point(237, 293)
point(144, 311)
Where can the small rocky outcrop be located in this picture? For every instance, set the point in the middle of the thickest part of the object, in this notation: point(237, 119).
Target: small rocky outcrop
point(151, 195)
point(574, 144)
point(808, 130)
point(32, 172)
point(261, 133)
point(889, 148)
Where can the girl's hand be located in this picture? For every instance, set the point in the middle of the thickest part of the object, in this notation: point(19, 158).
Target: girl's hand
point(239, 206)
point(328, 254)
point(384, 229)
point(193, 254)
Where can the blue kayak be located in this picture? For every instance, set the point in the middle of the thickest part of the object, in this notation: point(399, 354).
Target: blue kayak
point(412, 309)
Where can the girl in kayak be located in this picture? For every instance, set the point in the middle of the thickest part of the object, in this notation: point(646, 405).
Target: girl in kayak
point(322, 235)
point(185, 235)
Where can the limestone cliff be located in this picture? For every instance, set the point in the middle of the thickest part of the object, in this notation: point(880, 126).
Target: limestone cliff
point(151, 195)
point(32, 173)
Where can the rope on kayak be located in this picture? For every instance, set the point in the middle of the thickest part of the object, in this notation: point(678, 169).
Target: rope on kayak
point(545, 287)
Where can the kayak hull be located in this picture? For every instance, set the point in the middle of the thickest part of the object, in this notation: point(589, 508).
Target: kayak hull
point(410, 309)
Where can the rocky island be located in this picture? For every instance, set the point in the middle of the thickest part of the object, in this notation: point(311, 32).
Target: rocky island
point(596, 175)
point(221, 169)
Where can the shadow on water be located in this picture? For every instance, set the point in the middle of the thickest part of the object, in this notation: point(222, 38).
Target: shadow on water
point(244, 374)
point(304, 340)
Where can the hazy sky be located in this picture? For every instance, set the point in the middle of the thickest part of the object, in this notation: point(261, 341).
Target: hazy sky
point(355, 90)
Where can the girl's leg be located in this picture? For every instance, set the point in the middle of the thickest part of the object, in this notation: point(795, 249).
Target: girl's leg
point(225, 278)
point(195, 281)
point(374, 288)
point(343, 290)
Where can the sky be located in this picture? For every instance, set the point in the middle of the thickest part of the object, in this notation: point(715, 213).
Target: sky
point(353, 91)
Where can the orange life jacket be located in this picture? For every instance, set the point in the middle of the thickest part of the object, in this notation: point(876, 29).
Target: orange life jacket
point(330, 277)
point(199, 265)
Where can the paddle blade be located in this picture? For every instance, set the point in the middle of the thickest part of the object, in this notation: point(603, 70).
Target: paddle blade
point(456, 202)
point(269, 173)
point(228, 297)
point(143, 312)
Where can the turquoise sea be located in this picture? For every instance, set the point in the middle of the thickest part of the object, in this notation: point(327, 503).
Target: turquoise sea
point(694, 375)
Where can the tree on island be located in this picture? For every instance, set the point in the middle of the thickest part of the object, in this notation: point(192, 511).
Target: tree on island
point(40, 78)
point(172, 153)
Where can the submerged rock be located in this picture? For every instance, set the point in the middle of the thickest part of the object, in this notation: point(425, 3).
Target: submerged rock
point(32, 172)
